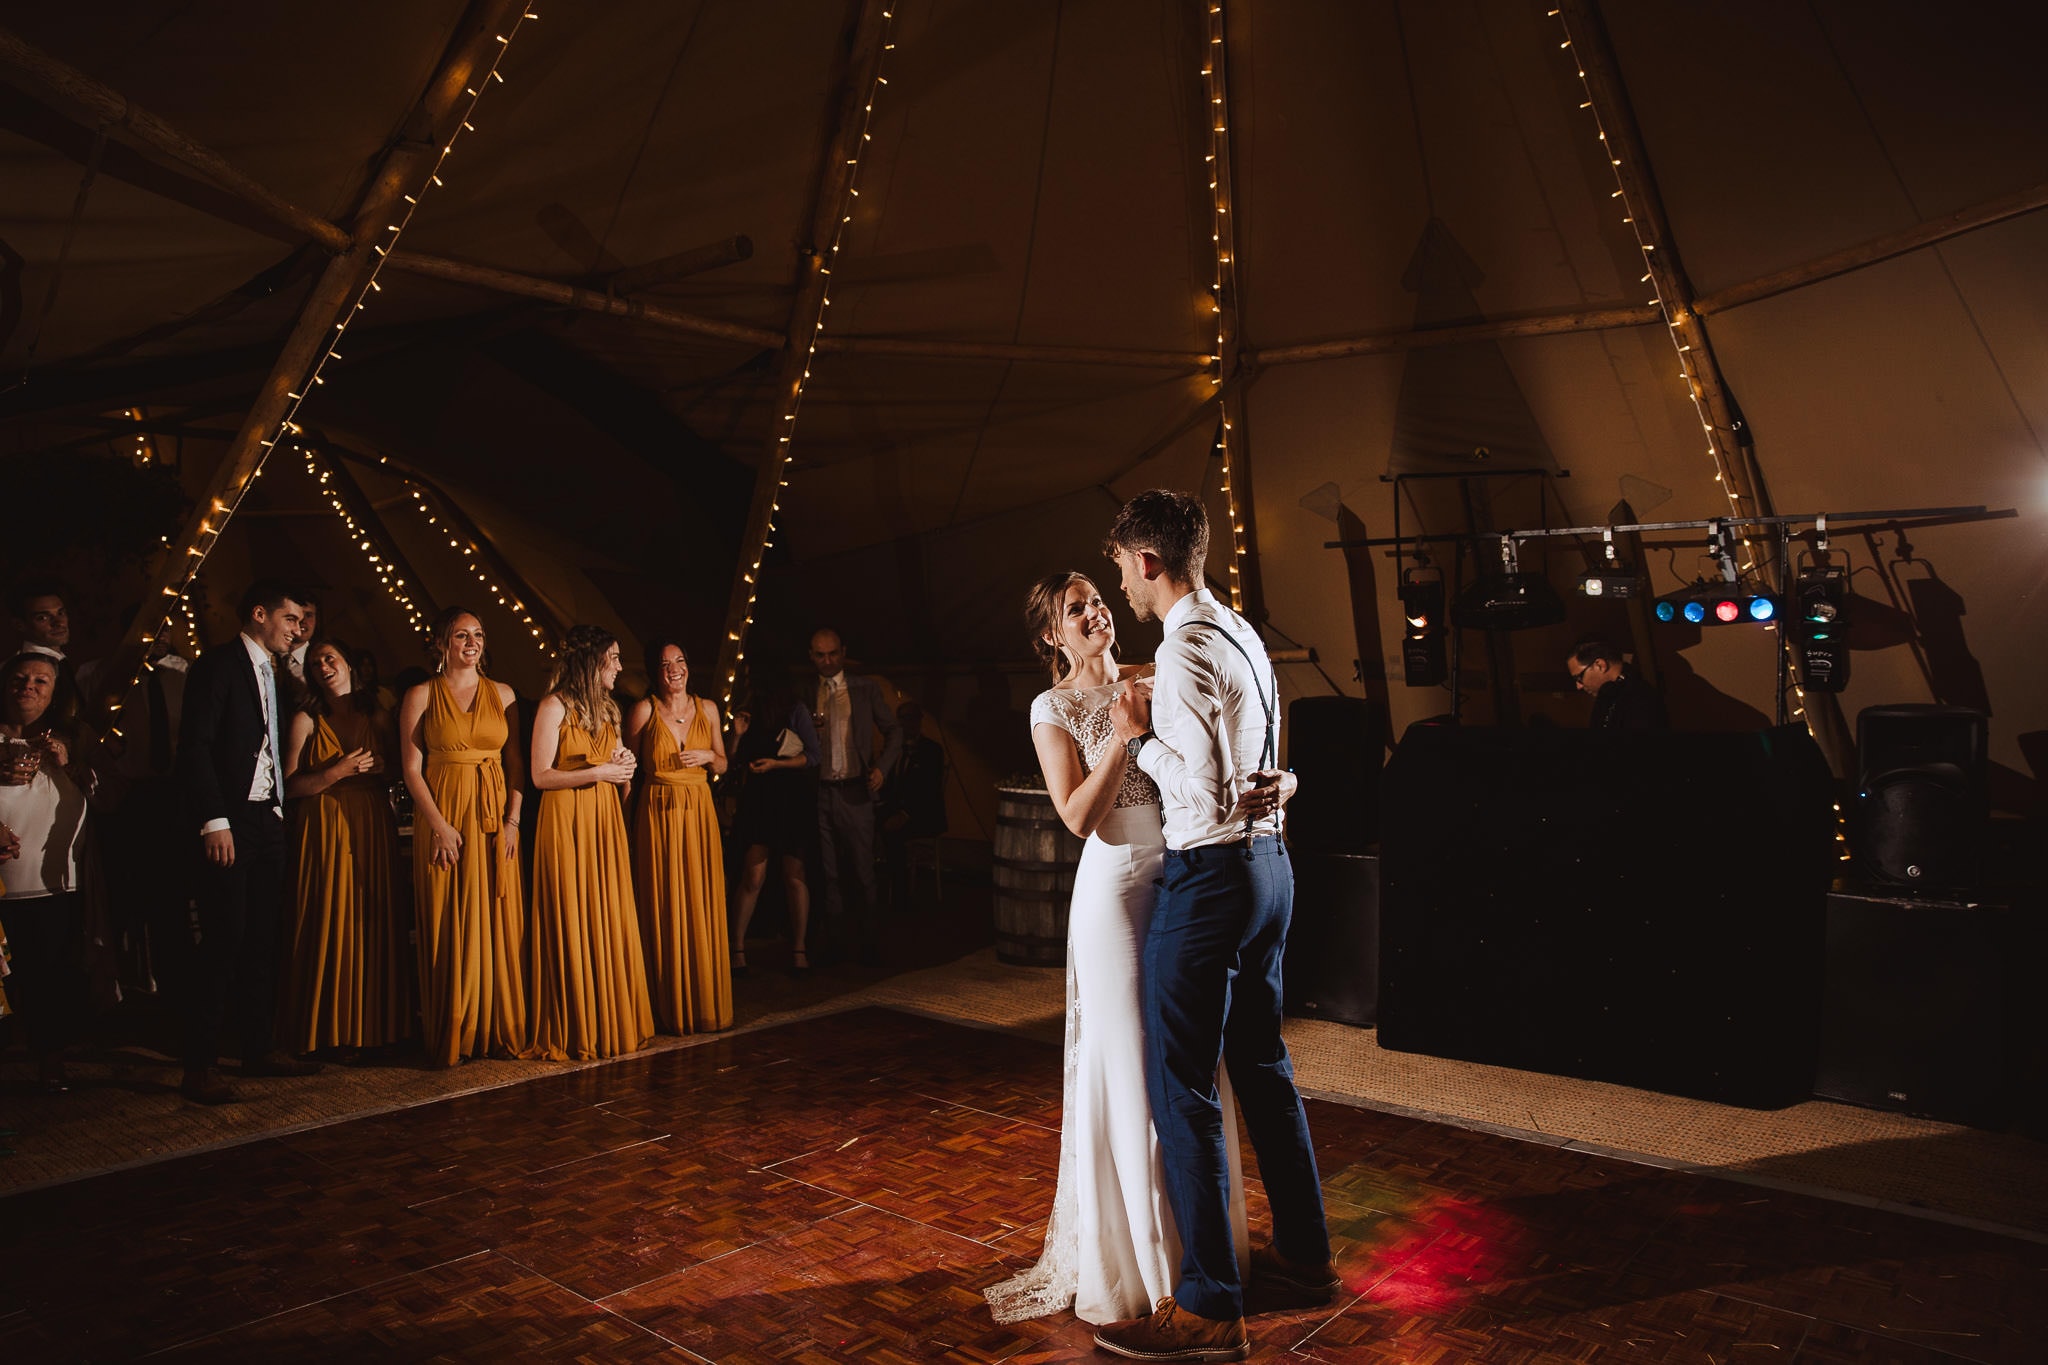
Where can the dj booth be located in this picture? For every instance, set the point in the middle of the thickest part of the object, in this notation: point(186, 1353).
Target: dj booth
point(1643, 908)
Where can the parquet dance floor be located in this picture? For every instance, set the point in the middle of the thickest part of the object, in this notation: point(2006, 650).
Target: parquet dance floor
point(843, 1188)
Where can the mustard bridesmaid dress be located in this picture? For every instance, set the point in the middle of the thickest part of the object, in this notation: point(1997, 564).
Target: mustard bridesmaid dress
point(472, 918)
point(679, 881)
point(351, 980)
point(589, 977)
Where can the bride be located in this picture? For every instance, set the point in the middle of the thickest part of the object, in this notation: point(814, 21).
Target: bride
point(1111, 1249)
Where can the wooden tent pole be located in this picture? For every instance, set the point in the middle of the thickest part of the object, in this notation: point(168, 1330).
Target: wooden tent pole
point(835, 182)
point(682, 264)
point(1246, 592)
point(114, 110)
point(404, 170)
point(1421, 338)
point(1876, 249)
point(588, 300)
point(535, 610)
point(1728, 439)
point(370, 537)
point(1622, 142)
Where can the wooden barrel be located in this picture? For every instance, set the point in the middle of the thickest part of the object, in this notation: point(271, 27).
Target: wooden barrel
point(1035, 858)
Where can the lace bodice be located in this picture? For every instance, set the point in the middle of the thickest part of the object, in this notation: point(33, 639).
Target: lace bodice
point(1084, 714)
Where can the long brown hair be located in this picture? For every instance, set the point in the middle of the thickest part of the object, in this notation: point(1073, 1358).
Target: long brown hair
point(1043, 614)
point(588, 701)
point(443, 629)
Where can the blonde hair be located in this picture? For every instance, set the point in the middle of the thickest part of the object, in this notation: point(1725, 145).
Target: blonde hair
point(575, 678)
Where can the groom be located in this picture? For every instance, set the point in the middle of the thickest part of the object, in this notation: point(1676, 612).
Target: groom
point(1209, 730)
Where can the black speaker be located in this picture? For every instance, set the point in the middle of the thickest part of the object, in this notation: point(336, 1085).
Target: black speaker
point(1333, 946)
point(1921, 808)
point(1335, 746)
point(1644, 907)
point(1927, 1006)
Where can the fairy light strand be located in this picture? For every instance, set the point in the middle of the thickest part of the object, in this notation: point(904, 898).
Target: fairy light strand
point(223, 509)
point(471, 556)
point(1224, 291)
point(365, 541)
point(786, 415)
point(1720, 458)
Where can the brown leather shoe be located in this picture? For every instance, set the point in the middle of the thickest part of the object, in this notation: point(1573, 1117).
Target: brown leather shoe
point(279, 1064)
point(1173, 1333)
point(1280, 1282)
point(206, 1087)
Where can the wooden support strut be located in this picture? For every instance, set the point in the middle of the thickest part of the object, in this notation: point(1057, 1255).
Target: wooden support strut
point(588, 300)
point(1625, 150)
point(114, 111)
point(414, 599)
point(405, 169)
point(841, 149)
point(1243, 574)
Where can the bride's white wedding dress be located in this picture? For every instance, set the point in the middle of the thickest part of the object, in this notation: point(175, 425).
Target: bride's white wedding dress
point(1111, 1249)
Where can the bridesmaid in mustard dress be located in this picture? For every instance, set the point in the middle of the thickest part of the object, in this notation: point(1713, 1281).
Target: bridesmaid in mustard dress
point(467, 780)
point(589, 977)
point(350, 982)
point(678, 861)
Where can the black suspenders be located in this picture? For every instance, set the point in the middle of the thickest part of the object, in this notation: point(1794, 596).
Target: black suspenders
point(1269, 751)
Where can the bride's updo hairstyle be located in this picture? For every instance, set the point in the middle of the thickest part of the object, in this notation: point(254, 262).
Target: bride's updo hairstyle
point(1043, 614)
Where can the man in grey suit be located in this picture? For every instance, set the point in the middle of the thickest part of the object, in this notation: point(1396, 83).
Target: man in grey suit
point(849, 712)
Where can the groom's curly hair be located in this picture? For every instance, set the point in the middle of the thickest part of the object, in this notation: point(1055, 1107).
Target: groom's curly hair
point(1170, 524)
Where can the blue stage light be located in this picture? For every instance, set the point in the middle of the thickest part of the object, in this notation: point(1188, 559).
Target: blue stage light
point(1667, 611)
point(1695, 612)
point(1762, 609)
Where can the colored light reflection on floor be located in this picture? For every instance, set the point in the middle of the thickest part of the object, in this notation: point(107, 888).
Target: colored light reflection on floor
point(1412, 1248)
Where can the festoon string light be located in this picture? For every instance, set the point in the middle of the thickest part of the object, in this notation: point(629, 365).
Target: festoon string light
point(786, 415)
point(363, 538)
point(223, 509)
point(1224, 290)
point(473, 560)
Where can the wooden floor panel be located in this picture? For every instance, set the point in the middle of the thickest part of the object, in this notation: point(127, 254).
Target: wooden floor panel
point(845, 1188)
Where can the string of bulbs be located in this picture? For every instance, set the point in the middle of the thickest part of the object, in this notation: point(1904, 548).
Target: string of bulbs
point(363, 539)
point(1225, 287)
point(787, 415)
point(473, 560)
point(1716, 455)
point(223, 510)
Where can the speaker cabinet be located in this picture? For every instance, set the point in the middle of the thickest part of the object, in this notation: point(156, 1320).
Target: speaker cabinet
point(1335, 746)
point(1921, 806)
point(1333, 946)
point(1642, 907)
point(1925, 1007)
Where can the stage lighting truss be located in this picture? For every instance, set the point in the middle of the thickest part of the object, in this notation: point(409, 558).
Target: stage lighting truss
point(1821, 591)
point(1424, 661)
point(1718, 604)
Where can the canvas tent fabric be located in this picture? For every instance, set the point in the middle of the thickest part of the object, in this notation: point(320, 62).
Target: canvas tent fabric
point(1036, 177)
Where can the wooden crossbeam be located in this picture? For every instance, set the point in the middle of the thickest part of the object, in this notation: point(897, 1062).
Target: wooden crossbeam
point(403, 170)
point(121, 116)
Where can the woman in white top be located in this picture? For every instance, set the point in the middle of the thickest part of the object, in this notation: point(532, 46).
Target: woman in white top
point(1111, 1249)
point(43, 787)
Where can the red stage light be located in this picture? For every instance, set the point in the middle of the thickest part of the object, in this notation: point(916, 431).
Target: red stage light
point(1728, 610)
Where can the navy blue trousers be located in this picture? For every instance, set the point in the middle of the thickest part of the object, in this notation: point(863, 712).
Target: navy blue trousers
point(1212, 991)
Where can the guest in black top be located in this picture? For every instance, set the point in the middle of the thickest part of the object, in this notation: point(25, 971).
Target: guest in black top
point(1621, 699)
point(231, 785)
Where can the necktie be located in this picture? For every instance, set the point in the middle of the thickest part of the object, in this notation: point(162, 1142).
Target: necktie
point(267, 681)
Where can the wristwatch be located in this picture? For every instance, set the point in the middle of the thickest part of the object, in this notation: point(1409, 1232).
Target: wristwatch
point(1135, 743)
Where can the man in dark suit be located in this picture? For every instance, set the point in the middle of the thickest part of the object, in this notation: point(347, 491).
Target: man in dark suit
point(231, 782)
point(849, 712)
